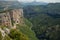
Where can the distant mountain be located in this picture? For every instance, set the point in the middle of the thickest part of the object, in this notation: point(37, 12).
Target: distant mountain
point(35, 3)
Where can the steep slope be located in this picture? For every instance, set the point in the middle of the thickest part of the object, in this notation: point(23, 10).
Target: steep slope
point(26, 29)
point(22, 32)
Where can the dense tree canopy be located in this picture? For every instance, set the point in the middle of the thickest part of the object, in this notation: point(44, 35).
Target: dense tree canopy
point(45, 20)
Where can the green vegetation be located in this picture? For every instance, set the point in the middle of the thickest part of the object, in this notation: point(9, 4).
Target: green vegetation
point(26, 29)
point(45, 20)
point(0, 36)
point(27, 22)
point(7, 38)
point(23, 32)
point(17, 35)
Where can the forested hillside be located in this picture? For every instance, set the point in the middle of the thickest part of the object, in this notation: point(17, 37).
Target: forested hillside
point(45, 20)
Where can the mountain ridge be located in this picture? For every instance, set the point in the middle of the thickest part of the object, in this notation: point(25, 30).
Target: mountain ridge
point(34, 3)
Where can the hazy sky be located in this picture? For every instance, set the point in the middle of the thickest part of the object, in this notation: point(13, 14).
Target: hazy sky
point(40, 0)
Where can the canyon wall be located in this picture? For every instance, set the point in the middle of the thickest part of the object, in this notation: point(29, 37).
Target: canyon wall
point(11, 18)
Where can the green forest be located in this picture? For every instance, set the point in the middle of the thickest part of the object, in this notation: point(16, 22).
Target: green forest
point(45, 20)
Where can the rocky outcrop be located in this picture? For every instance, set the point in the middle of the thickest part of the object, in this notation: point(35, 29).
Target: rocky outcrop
point(5, 19)
point(12, 17)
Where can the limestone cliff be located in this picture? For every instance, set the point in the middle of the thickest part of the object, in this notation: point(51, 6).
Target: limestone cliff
point(12, 17)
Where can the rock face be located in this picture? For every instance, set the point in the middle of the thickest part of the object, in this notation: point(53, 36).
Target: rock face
point(16, 16)
point(12, 17)
point(5, 19)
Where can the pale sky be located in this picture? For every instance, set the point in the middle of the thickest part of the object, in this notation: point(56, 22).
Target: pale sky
point(41, 1)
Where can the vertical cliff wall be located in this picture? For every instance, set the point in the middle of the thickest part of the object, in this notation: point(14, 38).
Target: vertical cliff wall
point(12, 17)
